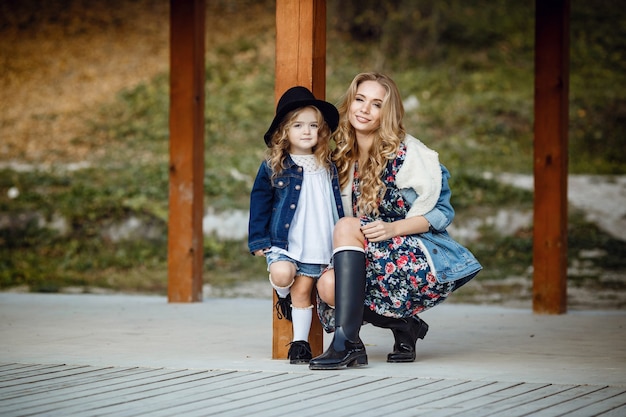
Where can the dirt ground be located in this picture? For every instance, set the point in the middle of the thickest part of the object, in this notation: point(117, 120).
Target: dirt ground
point(60, 62)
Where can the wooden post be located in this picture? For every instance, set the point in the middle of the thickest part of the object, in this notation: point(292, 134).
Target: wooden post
point(550, 156)
point(186, 169)
point(300, 60)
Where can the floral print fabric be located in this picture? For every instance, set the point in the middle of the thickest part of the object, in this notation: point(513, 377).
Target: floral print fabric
point(399, 282)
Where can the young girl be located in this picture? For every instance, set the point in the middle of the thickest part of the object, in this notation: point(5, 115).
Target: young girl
point(294, 204)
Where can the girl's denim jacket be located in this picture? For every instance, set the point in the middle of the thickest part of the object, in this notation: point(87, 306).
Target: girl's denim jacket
point(273, 202)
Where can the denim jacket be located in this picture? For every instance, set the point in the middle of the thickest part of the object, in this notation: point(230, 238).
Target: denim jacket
point(450, 260)
point(273, 202)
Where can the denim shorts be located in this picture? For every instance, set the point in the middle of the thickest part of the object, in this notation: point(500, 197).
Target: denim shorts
point(309, 270)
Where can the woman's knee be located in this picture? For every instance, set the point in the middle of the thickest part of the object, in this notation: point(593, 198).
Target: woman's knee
point(347, 232)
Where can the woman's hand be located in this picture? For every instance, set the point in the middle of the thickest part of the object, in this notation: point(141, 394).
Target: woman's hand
point(378, 230)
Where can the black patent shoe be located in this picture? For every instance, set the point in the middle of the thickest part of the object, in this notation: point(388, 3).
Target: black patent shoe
point(283, 307)
point(299, 352)
point(352, 355)
point(404, 347)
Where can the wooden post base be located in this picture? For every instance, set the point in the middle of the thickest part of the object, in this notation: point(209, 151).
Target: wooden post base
point(282, 332)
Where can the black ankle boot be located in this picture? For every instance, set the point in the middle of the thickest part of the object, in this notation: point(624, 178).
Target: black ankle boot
point(346, 349)
point(406, 337)
point(405, 333)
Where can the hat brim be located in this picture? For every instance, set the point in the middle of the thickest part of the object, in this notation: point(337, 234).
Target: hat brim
point(329, 112)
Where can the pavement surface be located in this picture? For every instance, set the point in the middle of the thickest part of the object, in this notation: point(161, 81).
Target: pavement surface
point(469, 342)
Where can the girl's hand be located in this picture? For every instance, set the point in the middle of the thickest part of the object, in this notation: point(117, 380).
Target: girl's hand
point(260, 252)
point(378, 231)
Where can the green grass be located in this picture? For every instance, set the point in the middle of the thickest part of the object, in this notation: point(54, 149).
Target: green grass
point(471, 73)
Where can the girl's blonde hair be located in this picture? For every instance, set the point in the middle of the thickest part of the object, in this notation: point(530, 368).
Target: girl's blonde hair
point(278, 150)
point(387, 139)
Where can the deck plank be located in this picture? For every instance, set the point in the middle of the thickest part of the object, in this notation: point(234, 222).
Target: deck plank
point(11, 366)
point(193, 392)
point(616, 412)
point(297, 392)
point(506, 405)
point(366, 393)
point(197, 391)
point(216, 399)
point(52, 378)
point(602, 407)
point(84, 386)
point(103, 389)
point(245, 381)
point(573, 404)
point(17, 374)
point(336, 396)
point(470, 396)
point(554, 404)
point(401, 402)
point(134, 395)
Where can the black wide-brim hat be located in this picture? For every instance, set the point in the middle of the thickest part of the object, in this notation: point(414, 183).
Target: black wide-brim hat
point(295, 98)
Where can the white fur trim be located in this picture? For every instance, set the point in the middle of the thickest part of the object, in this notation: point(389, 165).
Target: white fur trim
point(420, 171)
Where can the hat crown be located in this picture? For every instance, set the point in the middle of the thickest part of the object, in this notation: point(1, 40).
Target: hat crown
point(294, 95)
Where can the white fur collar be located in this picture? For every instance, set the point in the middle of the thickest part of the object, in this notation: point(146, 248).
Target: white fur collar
point(421, 172)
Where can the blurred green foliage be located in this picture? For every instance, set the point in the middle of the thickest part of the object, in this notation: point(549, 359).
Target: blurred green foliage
point(467, 64)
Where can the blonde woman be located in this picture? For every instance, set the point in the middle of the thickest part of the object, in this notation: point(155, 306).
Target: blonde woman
point(392, 256)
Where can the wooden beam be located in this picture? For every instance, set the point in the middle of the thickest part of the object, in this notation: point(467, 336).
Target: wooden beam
point(300, 60)
point(550, 156)
point(186, 169)
point(301, 46)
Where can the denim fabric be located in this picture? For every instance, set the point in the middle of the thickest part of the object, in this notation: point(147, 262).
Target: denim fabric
point(451, 260)
point(273, 202)
point(308, 270)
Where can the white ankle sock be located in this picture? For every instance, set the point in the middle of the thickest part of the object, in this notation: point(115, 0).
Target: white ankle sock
point(301, 319)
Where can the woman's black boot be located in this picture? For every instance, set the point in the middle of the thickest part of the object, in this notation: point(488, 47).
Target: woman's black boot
point(346, 348)
point(405, 332)
point(406, 338)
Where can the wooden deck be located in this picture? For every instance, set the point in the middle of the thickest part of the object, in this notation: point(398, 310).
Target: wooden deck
point(116, 355)
point(65, 390)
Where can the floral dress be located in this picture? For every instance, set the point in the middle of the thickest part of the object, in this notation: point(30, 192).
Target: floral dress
point(399, 282)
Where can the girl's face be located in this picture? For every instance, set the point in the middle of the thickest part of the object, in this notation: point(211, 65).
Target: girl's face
point(365, 110)
point(303, 133)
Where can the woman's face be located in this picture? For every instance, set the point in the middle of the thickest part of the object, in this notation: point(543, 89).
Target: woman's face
point(365, 109)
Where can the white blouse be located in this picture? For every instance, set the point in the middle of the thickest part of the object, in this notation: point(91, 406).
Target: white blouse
point(310, 233)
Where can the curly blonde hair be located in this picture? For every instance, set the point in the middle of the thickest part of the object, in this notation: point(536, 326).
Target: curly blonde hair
point(278, 151)
point(385, 147)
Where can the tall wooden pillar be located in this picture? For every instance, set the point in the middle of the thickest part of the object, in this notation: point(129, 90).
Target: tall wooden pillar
point(550, 156)
point(300, 60)
point(186, 169)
